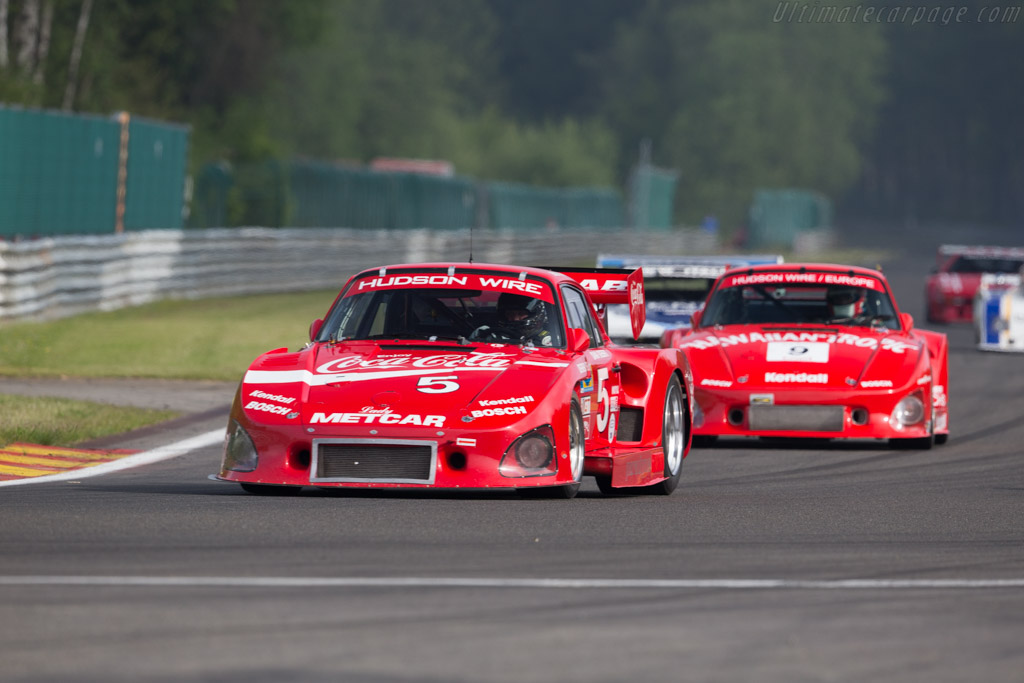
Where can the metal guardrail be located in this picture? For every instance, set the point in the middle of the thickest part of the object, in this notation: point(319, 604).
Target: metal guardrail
point(60, 276)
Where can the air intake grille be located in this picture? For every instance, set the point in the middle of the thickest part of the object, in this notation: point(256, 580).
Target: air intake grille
point(631, 424)
point(795, 418)
point(381, 460)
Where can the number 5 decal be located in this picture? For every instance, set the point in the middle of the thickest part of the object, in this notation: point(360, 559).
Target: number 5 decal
point(604, 406)
point(438, 385)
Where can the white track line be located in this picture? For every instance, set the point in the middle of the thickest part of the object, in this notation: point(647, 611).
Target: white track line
point(145, 458)
point(448, 582)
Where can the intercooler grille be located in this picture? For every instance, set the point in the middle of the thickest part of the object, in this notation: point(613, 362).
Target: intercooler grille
point(631, 424)
point(379, 460)
point(795, 418)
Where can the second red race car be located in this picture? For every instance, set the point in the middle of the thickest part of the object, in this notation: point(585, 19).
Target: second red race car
point(815, 350)
point(465, 376)
point(950, 288)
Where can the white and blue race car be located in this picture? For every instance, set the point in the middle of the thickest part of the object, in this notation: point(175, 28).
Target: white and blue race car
point(675, 287)
point(999, 313)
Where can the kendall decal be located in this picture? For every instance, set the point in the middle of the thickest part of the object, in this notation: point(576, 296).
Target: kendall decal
point(507, 401)
point(271, 397)
point(796, 377)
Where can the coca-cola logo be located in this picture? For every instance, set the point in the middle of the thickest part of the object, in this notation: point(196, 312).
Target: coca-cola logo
point(473, 360)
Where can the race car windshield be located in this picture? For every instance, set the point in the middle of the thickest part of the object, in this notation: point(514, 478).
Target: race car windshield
point(796, 304)
point(434, 314)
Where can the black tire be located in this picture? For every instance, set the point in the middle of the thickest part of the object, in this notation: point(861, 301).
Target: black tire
point(920, 444)
point(270, 489)
point(941, 439)
point(704, 440)
point(673, 438)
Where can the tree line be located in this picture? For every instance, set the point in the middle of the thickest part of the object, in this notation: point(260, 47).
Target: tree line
point(897, 117)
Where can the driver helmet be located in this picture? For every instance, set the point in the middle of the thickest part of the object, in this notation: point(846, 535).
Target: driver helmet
point(845, 302)
point(522, 315)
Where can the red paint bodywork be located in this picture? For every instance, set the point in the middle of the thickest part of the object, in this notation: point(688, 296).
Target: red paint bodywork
point(468, 401)
point(865, 370)
point(950, 288)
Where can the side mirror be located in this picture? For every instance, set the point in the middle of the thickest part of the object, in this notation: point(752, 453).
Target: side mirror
point(907, 321)
point(695, 318)
point(579, 340)
point(314, 328)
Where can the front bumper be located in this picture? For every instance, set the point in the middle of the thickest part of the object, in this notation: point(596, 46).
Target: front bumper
point(805, 414)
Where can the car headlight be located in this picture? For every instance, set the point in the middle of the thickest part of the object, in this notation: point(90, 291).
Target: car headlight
point(239, 450)
point(909, 411)
point(531, 455)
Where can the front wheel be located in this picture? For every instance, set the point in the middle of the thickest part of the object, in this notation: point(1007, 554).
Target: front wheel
point(270, 489)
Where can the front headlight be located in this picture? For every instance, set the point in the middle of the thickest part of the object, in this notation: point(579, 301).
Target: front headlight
point(909, 411)
point(239, 450)
point(531, 455)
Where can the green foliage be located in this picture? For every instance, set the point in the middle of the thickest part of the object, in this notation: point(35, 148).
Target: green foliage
point(563, 92)
point(553, 154)
point(754, 103)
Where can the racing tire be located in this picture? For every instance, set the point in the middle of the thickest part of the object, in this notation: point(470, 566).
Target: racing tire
point(673, 438)
point(270, 489)
point(704, 440)
point(577, 449)
point(941, 439)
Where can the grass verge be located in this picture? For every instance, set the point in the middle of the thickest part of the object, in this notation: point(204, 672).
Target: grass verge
point(66, 422)
point(185, 339)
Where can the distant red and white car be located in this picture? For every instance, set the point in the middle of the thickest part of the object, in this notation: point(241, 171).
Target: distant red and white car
point(815, 350)
point(465, 376)
point(953, 283)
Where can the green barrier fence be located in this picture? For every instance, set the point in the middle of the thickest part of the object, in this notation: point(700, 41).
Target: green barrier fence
point(69, 174)
point(319, 194)
point(778, 216)
point(652, 197)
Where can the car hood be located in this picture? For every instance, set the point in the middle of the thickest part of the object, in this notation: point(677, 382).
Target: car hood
point(820, 357)
point(346, 382)
point(958, 284)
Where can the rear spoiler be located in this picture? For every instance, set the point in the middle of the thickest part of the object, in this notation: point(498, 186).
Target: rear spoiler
point(614, 286)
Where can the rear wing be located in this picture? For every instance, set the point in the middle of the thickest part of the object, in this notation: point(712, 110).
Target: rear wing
point(684, 267)
point(614, 286)
point(947, 250)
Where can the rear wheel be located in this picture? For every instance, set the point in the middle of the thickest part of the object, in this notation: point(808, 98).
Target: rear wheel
point(673, 438)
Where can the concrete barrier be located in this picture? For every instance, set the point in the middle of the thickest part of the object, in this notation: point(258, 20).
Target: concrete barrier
point(60, 276)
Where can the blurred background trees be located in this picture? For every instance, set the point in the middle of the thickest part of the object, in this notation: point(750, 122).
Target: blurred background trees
point(892, 119)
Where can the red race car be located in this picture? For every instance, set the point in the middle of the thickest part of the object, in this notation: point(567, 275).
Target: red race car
point(465, 376)
point(814, 350)
point(952, 284)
